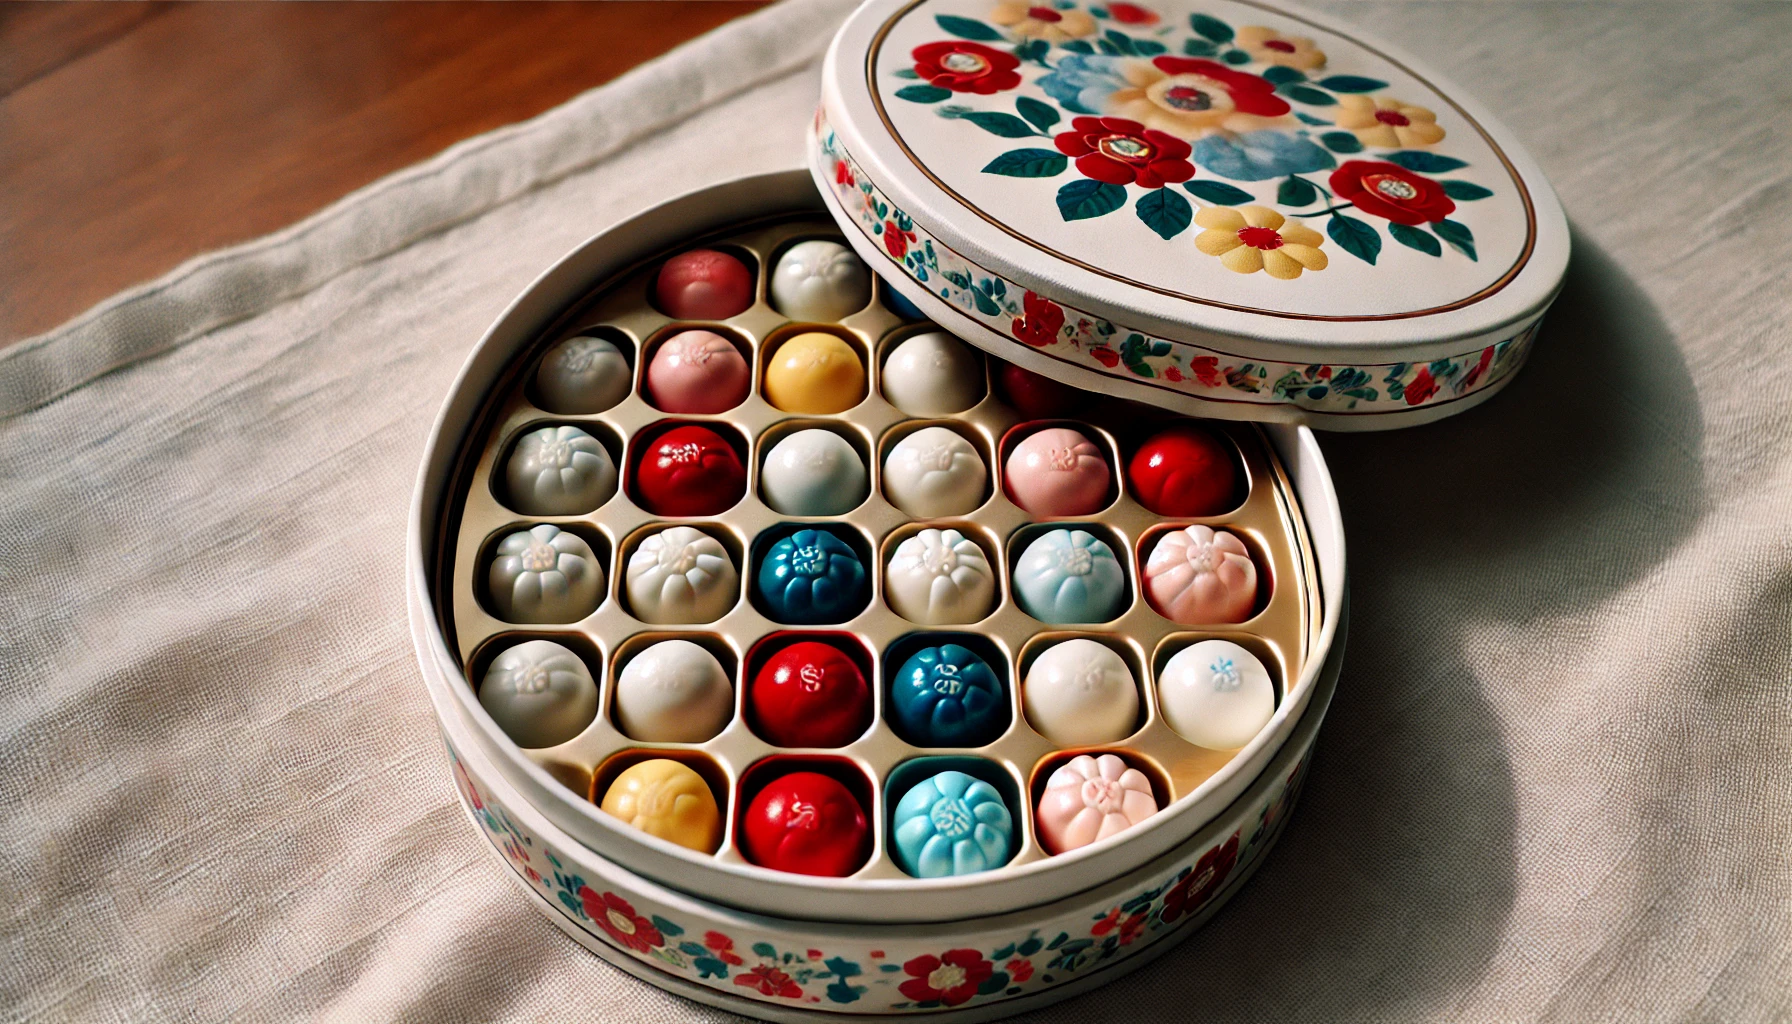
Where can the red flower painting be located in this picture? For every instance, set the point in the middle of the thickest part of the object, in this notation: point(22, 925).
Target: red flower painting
point(770, 982)
point(1205, 879)
point(1421, 387)
point(1042, 323)
point(950, 978)
point(617, 917)
point(1391, 192)
point(1123, 152)
point(967, 67)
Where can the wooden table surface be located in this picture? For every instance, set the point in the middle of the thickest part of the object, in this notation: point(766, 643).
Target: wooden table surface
point(135, 135)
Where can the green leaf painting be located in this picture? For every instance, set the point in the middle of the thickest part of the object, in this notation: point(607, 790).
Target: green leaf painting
point(1087, 198)
point(1028, 163)
point(1425, 163)
point(1217, 192)
point(1414, 238)
point(1165, 212)
point(1210, 27)
point(1352, 83)
point(1296, 192)
point(1006, 125)
point(1458, 235)
point(922, 93)
point(1042, 115)
point(967, 28)
point(1341, 142)
point(1465, 191)
point(1355, 237)
point(1308, 95)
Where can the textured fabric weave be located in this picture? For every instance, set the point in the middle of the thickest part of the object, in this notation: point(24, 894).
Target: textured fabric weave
point(1554, 784)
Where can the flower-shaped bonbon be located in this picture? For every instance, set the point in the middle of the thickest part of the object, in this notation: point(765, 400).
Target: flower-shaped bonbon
point(1201, 576)
point(681, 575)
point(951, 824)
point(948, 696)
point(544, 574)
point(1069, 575)
point(1089, 799)
point(812, 577)
point(938, 577)
point(559, 471)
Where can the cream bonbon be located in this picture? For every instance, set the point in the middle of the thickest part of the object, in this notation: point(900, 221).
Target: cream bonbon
point(673, 692)
point(1080, 693)
point(539, 692)
point(934, 472)
point(1216, 694)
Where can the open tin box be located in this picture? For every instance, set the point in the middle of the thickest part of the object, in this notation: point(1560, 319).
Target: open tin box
point(1227, 210)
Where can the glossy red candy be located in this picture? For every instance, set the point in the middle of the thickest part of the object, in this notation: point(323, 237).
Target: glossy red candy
point(689, 471)
point(809, 695)
point(1036, 396)
point(1184, 471)
point(808, 824)
point(703, 284)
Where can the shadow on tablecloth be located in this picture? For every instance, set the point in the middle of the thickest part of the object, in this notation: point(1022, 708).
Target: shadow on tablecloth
point(1395, 882)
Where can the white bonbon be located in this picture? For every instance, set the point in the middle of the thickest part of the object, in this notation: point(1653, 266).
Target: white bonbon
point(559, 471)
point(1080, 693)
point(544, 574)
point(820, 281)
point(673, 692)
point(1216, 694)
point(933, 374)
point(539, 693)
point(813, 472)
point(934, 472)
point(582, 375)
point(681, 575)
point(940, 577)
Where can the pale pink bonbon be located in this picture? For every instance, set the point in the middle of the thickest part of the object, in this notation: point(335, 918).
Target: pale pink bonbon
point(1089, 799)
point(1058, 472)
point(1200, 576)
point(697, 372)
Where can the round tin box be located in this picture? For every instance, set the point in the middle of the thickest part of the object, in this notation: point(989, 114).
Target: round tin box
point(641, 871)
point(1233, 209)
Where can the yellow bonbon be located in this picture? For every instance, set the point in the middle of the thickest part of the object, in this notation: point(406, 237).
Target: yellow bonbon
point(815, 373)
point(667, 799)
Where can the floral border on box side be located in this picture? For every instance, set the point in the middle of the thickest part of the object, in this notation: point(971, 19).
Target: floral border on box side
point(865, 979)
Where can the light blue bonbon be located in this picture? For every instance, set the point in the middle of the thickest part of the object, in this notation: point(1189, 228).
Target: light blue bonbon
point(1067, 576)
point(952, 824)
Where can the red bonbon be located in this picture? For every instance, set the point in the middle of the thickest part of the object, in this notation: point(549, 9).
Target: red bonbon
point(1036, 396)
point(689, 471)
point(809, 694)
point(1184, 471)
point(703, 284)
point(806, 823)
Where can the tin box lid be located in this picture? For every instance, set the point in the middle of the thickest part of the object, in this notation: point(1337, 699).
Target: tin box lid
point(1224, 207)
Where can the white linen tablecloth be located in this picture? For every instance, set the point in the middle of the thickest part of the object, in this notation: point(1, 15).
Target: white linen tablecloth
point(1554, 784)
